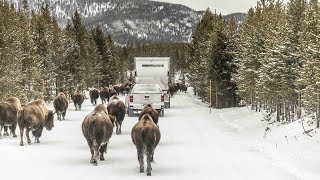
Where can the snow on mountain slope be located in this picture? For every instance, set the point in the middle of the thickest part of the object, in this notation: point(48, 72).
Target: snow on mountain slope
point(129, 20)
point(227, 144)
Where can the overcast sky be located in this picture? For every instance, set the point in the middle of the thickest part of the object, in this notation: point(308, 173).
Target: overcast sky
point(222, 6)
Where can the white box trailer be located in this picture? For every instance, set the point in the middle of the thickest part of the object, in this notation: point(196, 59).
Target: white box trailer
point(154, 70)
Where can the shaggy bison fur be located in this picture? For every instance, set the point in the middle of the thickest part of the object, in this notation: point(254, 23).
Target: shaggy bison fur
point(34, 117)
point(60, 104)
point(9, 111)
point(104, 95)
point(78, 99)
point(94, 95)
point(145, 136)
point(97, 128)
point(152, 112)
point(117, 108)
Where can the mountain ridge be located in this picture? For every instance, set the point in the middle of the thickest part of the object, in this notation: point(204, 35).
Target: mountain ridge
point(127, 20)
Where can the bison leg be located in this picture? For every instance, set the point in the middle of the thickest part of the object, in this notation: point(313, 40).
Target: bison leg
point(64, 114)
point(103, 150)
point(140, 159)
point(1, 127)
point(152, 160)
point(59, 115)
point(120, 124)
point(91, 150)
point(27, 134)
point(13, 128)
point(118, 130)
point(149, 152)
point(21, 135)
point(75, 105)
point(37, 134)
point(5, 129)
point(95, 149)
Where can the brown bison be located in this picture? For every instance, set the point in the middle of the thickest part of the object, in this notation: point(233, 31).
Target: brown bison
point(94, 95)
point(78, 99)
point(145, 136)
point(104, 95)
point(97, 128)
point(60, 104)
point(127, 87)
point(112, 93)
point(33, 117)
point(9, 110)
point(117, 108)
point(152, 112)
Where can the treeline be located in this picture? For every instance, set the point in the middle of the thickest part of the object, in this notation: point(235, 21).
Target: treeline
point(210, 58)
point(33, 49)
point(278, 58)
point(271, 60)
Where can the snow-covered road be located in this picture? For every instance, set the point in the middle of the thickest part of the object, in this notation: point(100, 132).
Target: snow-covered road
point(194, 144)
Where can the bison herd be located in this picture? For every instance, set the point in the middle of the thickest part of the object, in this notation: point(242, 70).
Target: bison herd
point(97, 126)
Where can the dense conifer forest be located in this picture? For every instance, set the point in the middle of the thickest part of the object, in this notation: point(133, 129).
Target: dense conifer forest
point(271, 60)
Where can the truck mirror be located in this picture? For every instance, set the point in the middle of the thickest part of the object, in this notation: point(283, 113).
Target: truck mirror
point(168, 73)
point(135, 73)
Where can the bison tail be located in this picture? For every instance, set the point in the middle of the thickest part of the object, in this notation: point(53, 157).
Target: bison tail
point(21, 116)
point(92, 126)
point(144, 135)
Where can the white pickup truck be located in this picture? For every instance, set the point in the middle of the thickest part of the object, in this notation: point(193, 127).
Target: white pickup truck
point(143, 94)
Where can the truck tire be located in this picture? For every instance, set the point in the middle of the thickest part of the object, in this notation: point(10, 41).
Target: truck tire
point(161, 113)
point(167, 105)
point(130, 113)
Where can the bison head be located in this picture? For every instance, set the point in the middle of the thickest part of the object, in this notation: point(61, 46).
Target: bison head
point(49, 123)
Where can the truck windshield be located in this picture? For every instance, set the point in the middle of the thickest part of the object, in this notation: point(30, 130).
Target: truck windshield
point(146, 88)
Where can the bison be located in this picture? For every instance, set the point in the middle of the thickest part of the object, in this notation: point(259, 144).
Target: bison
point(117, 108)
point(33, 117)
point(97, 128)
point(104, 95)
point(60, 104)
point(94, 95)
point(112, 92)
point(9, 110)
point(145, 136)
point(152, 112)
point(78, 99)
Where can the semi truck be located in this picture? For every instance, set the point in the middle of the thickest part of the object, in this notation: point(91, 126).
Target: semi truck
point(154, 70)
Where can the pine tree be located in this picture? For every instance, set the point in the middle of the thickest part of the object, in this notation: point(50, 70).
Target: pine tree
point(200, 54)
point(311, 60)
point(249, 46)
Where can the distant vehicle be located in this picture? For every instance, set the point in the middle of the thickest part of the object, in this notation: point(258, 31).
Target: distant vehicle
point(143, 94)
point(154, 70)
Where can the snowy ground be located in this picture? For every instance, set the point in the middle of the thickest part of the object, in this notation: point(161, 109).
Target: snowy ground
point(226, 144)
